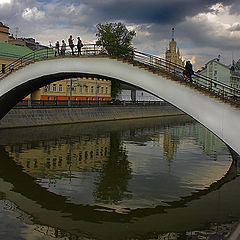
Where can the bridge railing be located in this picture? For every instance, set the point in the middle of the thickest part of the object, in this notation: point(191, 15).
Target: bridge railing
point(154, 62)
point(211, 85)
point(83, 103)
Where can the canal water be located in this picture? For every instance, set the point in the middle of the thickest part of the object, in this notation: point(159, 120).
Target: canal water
point(159, 178)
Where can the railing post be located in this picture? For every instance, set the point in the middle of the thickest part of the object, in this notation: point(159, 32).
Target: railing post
point(47, 52)
point(29, 103)
point(211, 85)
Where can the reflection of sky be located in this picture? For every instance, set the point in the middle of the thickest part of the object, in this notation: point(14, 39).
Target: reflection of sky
point(154, 178)
point(157, 179)
point(78, 188)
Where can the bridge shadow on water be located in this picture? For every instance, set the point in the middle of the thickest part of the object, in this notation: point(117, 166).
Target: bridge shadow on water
point(54, 210)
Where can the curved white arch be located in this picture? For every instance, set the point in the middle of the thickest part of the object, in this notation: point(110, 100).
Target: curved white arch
point(219, 117)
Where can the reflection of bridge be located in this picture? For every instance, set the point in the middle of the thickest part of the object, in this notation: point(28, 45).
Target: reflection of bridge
point(55, 210)
point(208, 101)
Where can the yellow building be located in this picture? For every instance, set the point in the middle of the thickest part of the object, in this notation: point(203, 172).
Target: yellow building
point(172, 53)
point(62, 155)
point(77, 89)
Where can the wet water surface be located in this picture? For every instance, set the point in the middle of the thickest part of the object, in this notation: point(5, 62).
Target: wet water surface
point(160, 178)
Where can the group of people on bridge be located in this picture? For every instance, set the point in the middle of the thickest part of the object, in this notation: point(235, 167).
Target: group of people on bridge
point(61, 50)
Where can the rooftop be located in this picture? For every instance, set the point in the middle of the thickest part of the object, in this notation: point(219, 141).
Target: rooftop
point(11, 50)
point(2, 25)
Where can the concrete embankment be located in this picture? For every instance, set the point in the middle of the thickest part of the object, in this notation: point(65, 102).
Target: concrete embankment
point(52, 116)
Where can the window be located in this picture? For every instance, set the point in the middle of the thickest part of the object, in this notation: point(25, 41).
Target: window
point(102, 89)
point(81, 89)
point(86, 89)
point(74, 89)
point(47, 88)
point(215, 73)
point(54, 88)
point(97, 89)
point(106, 89)
point(92, 89)
point(60, 88)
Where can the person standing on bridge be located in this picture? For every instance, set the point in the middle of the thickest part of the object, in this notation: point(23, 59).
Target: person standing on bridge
point(188, 71)
point(71, 45)
point(63, 48)
point(57, 46)
point(79, 46)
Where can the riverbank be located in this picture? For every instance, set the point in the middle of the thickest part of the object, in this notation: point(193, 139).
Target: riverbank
point(28, 117)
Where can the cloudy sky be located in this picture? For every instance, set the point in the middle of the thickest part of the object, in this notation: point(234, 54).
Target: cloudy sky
point(203, 28)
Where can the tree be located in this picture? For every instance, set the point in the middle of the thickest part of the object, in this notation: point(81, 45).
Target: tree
point(116, 39)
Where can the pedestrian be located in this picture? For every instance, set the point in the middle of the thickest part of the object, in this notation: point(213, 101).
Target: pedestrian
point(71, 45)
point(188, 71)
point(63, 48)
point(79, 46)
point(57, 46)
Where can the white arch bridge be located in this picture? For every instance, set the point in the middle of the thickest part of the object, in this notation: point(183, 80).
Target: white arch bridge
point(213, 104)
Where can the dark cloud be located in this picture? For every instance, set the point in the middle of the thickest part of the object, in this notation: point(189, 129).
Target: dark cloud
point(152, 19)
point(151, 11)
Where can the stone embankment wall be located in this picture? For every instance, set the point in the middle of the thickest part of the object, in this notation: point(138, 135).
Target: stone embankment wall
point(52, 116)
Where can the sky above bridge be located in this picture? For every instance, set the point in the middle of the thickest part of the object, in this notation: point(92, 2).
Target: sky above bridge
point(204, 29)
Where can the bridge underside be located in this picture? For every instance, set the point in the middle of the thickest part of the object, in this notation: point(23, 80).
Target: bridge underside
point(12, 97)
point(219, 117)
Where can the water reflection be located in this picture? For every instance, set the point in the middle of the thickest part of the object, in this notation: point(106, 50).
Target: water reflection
point(112, 183)
point(127, 178)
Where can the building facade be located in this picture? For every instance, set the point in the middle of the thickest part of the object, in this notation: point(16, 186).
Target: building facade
point(235, 75)
point(140, 95)
point(172, 53)
point(216, 70)
point(87, 89)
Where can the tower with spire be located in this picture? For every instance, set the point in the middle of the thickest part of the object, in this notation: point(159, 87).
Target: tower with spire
point(172, 53)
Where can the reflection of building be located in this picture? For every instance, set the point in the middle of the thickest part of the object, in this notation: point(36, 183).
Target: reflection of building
point(172, 54)
point(173, 137)
point(169, 147)
point(61, 155)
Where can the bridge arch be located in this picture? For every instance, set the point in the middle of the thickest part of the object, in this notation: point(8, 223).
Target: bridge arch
point(219, 117)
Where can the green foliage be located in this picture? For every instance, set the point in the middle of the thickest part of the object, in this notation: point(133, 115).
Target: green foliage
point(115, 88)
point(116, 39)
